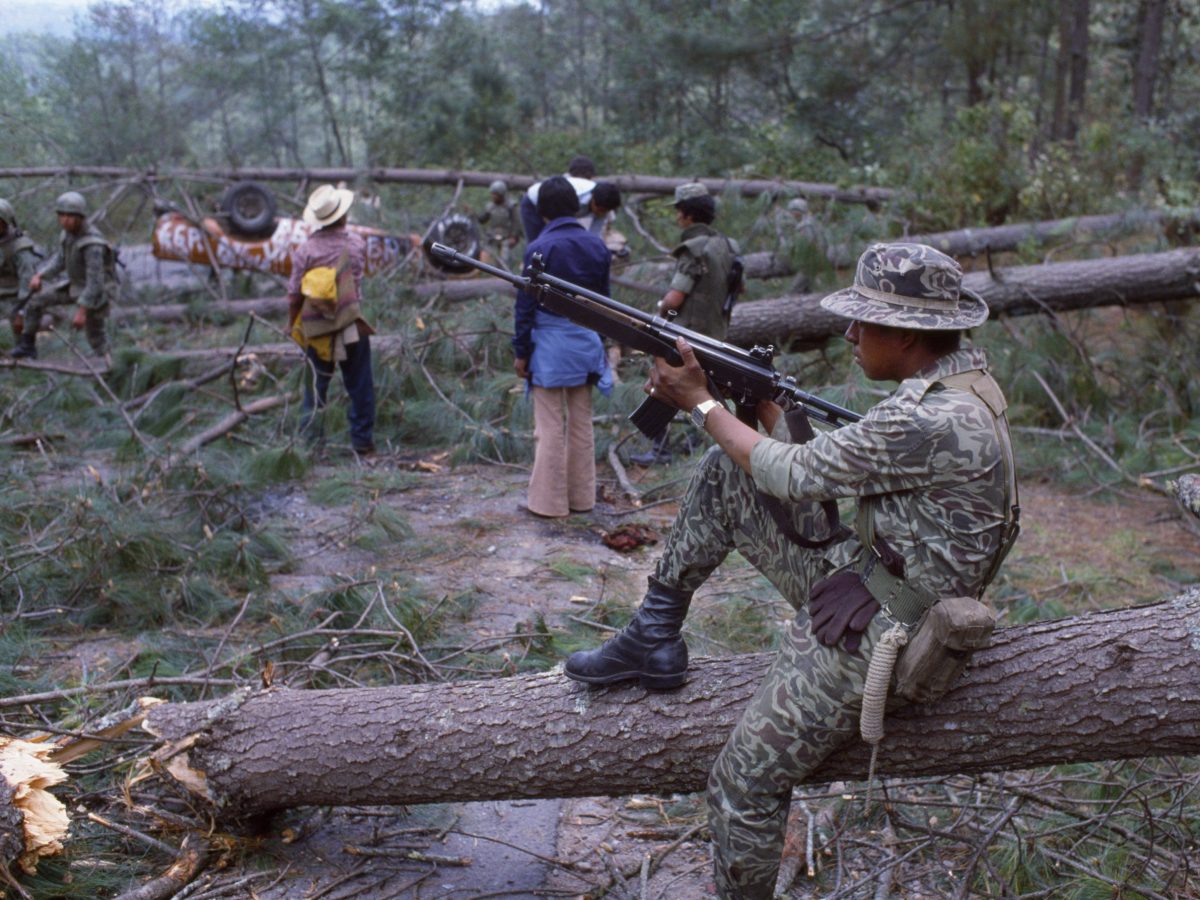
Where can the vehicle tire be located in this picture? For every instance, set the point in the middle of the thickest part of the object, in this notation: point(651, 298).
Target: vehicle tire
point(250, 208)
point(456, 230)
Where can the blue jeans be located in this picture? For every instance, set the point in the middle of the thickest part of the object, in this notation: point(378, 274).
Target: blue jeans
point(360, 388)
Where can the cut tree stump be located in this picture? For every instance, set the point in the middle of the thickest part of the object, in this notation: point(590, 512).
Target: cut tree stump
point(1109, 685)
point(33, 823)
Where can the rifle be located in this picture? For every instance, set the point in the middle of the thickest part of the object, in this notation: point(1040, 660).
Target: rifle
point(745, 376)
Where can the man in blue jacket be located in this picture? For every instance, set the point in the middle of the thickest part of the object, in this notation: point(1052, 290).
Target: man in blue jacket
point(560, 360)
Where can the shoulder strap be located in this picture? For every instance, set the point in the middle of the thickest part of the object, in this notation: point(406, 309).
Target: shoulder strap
point(982, 385)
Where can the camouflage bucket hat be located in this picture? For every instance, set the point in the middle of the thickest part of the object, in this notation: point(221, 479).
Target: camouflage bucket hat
point(908, 286)
point(690, 191)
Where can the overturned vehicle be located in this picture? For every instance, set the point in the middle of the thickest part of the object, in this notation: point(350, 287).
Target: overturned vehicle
point(247, 234)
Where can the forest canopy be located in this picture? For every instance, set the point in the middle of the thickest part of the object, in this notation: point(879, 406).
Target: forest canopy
point(982, 111)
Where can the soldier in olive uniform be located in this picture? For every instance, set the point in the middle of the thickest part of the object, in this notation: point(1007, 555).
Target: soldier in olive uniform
point(89, 264)
point(703, 259)
point(931, 468)
point(503, 226)
point(18, 263)
point(696, 296)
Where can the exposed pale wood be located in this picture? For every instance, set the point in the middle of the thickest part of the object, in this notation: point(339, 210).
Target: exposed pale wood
point(33, 822)
point(1109, 685)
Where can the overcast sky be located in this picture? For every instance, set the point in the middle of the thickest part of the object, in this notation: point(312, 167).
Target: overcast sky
point(58, 16)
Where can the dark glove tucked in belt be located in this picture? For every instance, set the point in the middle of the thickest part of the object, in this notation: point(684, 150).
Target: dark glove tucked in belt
point(841, 605)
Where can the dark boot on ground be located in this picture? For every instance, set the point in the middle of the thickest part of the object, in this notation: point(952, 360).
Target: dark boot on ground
point(658, 454)
point(27, 347)
point(650, 648)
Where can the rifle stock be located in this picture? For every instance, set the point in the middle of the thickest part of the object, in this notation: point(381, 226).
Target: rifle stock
point(745, 376)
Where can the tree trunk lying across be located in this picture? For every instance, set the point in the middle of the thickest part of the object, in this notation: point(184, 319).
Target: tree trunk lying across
point(639, 184)
point(968, 242)
point(1017, 291)
point(1110, 685)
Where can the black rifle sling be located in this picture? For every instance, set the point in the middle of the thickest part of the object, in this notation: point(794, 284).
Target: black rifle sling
point(801, 431)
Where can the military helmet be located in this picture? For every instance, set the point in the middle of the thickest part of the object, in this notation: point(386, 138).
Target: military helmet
point(8, 214)
point(498, 187)
point(72, 203)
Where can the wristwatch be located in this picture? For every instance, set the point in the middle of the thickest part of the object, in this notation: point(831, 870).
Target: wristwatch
point(700, 412)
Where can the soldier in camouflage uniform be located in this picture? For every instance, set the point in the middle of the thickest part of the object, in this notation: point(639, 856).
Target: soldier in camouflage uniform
point(503, 227)
point(89, 264)
point(18, 263)
point(931, 468)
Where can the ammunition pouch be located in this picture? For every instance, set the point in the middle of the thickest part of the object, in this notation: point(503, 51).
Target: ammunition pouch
point(939, 650)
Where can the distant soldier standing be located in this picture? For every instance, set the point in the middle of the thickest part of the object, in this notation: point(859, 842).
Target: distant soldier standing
point(18, 264)
point(89, 263)
point(704, 259)
point(503, 225)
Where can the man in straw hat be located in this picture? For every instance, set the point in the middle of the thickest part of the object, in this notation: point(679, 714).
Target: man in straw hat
point(931, 468)
point(325, 315)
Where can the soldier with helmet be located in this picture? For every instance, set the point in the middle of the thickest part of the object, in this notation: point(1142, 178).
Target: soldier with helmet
point(18, 264)
point(87, 263)
point(503, 226)
point(704, 259)
point(931, 471)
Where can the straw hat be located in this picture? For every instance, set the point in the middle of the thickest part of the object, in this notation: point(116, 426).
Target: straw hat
point(327, 204)
point(909, 286)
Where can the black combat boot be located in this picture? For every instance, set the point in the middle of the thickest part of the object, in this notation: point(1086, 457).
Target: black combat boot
point(649, 649)
point(27, 347)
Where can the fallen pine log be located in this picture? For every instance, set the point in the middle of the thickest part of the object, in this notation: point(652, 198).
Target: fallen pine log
point(964, 243)
point(799, 319)
point(179, 312)
point(640, 184)
point(1110, 685)
point(1017, 291)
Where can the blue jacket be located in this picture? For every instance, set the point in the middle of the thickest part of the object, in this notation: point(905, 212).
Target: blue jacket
point(561, 353)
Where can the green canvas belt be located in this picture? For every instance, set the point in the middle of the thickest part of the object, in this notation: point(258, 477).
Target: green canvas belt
point(899, 599)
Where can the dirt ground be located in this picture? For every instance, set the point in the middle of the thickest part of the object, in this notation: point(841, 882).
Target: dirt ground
point(471, 534)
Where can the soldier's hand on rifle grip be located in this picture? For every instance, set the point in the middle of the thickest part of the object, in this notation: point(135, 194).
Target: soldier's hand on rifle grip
point(682, 386)
point(80, 318)
point(768, 414)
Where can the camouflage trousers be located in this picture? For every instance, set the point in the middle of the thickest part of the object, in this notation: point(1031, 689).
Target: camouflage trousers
point(809, 701)
point(94, 325)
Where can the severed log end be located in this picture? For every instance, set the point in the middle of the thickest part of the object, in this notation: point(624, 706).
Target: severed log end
point(1187, 495)
point(33, 822)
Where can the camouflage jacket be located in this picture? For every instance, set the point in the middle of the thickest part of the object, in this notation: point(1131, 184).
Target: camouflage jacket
point(90, 264)
point(18, 263)
point(929, 461)
point(702, 261)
